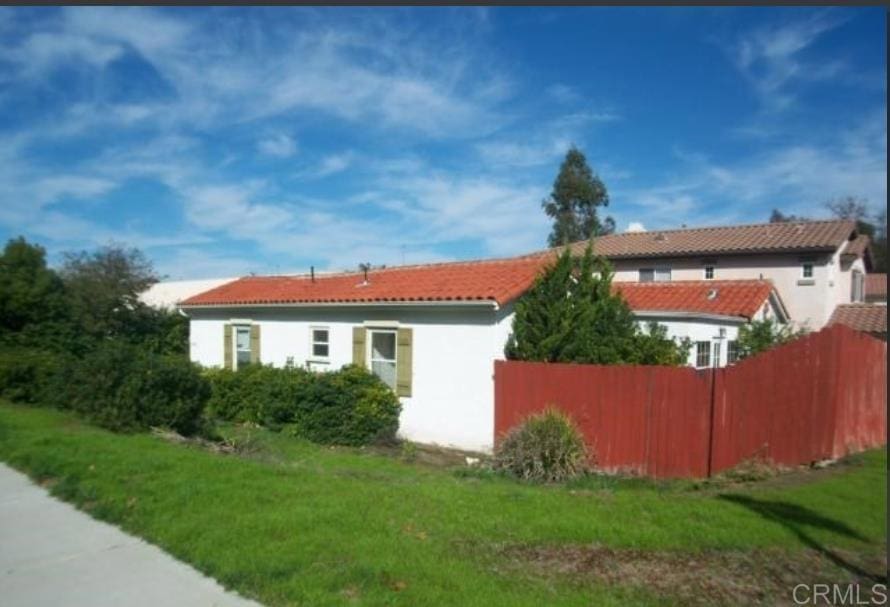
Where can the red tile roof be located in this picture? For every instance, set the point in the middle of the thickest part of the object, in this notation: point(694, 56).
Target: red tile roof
point(497, 281)
point(741, 298)
point(857, 247)
point(871, 318)
point(798, 236)
point(876, 286)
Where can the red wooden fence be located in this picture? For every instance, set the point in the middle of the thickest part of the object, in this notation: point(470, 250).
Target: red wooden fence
point(819, 397)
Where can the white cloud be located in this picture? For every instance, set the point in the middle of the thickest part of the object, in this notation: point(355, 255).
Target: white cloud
point(545, 144)
point(771, 58)
point(797, 179)
point(523, 154)
point(562, 93)
point(334, 163)
point(279, 146)
point(371, 71)
point(635, 226)
point(505, 216)
point(42, 50)
point(327, 166)
point(147, 31)
point(49, 189)
point(230, 208)
point(193, 262)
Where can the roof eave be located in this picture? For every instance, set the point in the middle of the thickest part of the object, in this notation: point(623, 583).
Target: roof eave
point(685, 254)
point(686, 314)
point(458, 303)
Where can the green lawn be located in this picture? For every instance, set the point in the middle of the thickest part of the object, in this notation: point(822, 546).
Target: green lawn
point(301, 524)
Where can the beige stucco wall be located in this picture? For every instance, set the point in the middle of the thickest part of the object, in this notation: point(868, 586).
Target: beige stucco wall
point(810, 304)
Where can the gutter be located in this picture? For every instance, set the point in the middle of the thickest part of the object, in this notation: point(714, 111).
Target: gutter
point(362, 304)
point(735, 252)
point(691, 315)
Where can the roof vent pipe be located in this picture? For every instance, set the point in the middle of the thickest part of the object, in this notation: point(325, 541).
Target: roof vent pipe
point(364, 267)
point(312, 273)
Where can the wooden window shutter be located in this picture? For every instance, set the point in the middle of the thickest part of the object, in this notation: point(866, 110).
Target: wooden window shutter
point(404, 362)
point(254, 344)
point(358, 346)
point(227, 346)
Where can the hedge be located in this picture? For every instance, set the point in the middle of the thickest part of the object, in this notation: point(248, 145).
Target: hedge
point(25, 374)
point(346, 407)
point(123, 388)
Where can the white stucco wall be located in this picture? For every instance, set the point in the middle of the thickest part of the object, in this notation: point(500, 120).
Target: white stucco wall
point(810, 304)
point(700, 330)
point(452, 401)
point(454, 349)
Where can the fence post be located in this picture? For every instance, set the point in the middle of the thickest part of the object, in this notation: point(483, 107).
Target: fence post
point(711, 422)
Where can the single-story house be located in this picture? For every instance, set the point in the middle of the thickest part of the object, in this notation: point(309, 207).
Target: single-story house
point(432, 332)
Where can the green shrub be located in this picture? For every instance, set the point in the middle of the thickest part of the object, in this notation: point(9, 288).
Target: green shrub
point(258, 393)
point(348, 407)
point(123, 388)
point(25, 374)
point(761, 335)
point(545, 447)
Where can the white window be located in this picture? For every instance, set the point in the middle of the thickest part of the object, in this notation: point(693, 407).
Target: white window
point(242, 345)
point(382, 346)
point(858, 285)
point(709, 272)
point(702, 354)
point(715, 360)
point(320, 342)
point(806, 269)
point(655, 274)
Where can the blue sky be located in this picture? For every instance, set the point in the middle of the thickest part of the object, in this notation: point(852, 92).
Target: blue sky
point(223, 141)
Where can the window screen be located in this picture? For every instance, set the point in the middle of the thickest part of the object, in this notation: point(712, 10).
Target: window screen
point(383, 356)
point(702, 354)
point(320, 344)
point(242, 345)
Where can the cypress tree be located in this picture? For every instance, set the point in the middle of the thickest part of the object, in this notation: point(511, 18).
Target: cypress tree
point(570, 314)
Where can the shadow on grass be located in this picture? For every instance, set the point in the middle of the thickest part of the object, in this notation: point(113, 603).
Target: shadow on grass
point(796, 519)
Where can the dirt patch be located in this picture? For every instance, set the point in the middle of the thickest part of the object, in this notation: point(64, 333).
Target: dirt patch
point(239, 445)
point(49, 483)
point(433, 456)
point(716, 577)
point(767, 476)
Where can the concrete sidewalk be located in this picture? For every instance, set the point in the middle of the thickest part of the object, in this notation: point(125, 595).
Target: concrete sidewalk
point(53, 554)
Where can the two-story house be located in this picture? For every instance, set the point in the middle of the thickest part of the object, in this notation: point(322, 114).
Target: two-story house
point(814, 265)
